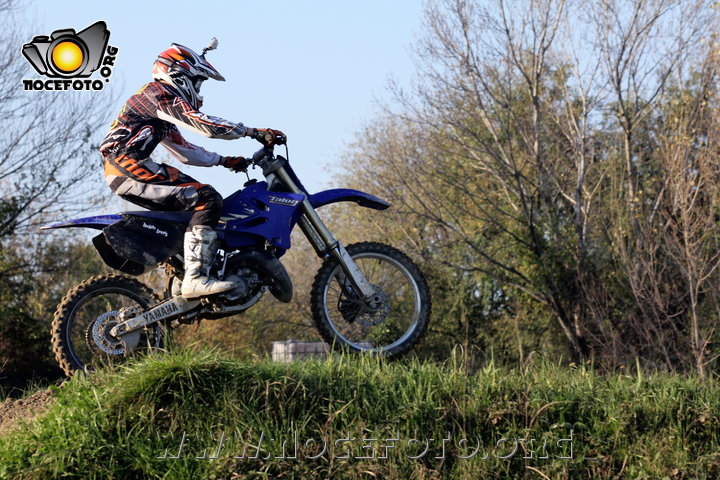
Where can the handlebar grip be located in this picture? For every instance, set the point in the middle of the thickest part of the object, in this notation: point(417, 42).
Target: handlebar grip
point(270, 137)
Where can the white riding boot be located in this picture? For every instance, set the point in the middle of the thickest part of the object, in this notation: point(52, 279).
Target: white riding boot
point(199, 250)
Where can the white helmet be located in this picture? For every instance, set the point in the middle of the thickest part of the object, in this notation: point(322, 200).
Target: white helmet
point(185, 70)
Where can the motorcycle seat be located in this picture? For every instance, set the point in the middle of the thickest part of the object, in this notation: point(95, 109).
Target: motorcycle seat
point(175, 217)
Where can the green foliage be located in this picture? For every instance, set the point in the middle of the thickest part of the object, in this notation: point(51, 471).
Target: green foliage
point(32, 282)
point(585, 197)
point(116, 424)
point(10, 208)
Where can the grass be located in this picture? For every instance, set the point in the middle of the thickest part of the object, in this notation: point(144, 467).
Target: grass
point(116, 423)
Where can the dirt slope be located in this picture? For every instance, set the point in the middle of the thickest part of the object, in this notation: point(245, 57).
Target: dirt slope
point(12, 411)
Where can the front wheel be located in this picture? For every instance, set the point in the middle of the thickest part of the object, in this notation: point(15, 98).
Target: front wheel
point(81, 327)
point(393, 323)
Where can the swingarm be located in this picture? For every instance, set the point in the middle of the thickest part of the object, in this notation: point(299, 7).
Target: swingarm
point(132, 320)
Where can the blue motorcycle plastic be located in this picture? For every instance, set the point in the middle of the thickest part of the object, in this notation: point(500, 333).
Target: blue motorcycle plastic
point(366, 297)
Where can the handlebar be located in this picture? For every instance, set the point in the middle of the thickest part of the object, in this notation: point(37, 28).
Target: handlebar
point(265, 159)
point(270, 137)
point(270, 163)
point(262, 154)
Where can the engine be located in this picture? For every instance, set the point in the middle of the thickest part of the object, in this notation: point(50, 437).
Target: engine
point(253, 272)
point(246, 281)
point(260, 266)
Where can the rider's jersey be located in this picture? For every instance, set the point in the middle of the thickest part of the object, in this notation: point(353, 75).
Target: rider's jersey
point(150, 117)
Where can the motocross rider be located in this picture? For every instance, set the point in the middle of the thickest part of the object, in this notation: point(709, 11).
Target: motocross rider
point(150, 117)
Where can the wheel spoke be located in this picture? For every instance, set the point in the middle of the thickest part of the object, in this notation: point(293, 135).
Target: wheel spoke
point(83, 321)
point(390, 324)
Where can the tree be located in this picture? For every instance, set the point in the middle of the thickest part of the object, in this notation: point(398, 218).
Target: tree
point(49, 165)
point(27, 303)
point(49, 161)
point(531, 154)
point(687, 223)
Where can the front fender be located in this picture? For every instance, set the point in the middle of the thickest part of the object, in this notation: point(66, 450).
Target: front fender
point(97, 222)
point(335, 195)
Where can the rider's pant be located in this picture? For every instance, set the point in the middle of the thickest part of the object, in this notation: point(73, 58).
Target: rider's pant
point(162, 187)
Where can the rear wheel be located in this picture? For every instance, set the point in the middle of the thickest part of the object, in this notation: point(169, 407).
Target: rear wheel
point(81, 326)
point(396, 318)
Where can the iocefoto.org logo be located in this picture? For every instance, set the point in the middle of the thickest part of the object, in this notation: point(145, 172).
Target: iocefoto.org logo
point(68, 57)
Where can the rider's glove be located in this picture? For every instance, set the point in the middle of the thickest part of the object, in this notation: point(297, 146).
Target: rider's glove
point(269, 137)
point(236, 164)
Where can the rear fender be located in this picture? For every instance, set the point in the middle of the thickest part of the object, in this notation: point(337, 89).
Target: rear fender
point(107, 252)
point(347, 195)
point(97, 222)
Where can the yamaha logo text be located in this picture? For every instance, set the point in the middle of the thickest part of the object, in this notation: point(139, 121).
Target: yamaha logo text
point(160, 312)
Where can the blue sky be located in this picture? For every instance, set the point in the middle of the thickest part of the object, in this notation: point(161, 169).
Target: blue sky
point(313, 69)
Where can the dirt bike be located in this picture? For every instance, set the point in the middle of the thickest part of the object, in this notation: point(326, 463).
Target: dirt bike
point(367, 297)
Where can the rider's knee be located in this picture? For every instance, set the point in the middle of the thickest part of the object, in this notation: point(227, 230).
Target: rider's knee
point(208, 209)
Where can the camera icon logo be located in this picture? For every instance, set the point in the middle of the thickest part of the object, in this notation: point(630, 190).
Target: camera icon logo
point(68, 54)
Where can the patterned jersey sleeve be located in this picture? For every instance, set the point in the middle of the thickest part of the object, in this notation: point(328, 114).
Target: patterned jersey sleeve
point(188, 153)
point(174, 109)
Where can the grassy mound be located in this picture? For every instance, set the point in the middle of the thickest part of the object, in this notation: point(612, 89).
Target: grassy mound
point(201, 415)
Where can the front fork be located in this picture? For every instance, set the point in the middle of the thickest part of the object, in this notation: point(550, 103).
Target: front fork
point(324, 242)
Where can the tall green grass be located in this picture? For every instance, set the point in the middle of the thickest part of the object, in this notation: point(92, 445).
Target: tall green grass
point(116, 423)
